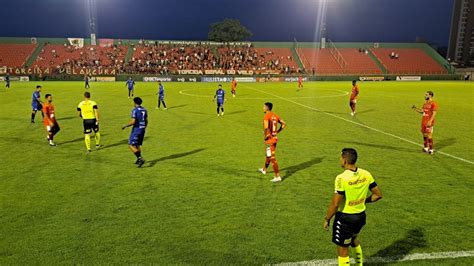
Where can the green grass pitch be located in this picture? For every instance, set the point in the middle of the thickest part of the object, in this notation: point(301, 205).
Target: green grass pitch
point(199, 199)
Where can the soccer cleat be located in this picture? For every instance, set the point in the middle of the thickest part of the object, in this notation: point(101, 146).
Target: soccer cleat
point(353, 113)
point(261, 170)
point(140, 162)
point(425, 150)
point(276, 179)
point(98, 146)
point(218, 115)
point(51, 143)
point(89, 151)
point(233, 95)
point(32, 121)
point(431, 151)
point(165, 108)
point(222, 114)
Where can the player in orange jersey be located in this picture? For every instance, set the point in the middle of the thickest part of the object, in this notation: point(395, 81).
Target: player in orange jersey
point(429, 110)
point(233, 87)
point(270, 130)
point(300, 82)
point(50, 122)
point(353, 99)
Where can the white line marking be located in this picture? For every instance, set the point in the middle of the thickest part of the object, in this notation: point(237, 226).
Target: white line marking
point(381, 260)
point(344, 93)
point(361, 125)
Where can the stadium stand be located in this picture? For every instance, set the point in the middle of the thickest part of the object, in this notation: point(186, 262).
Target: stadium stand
point(63, 55)
point(15, 55)
point(407, 61)
point(169, 57)
point(166, 59)
point(321, 60)
point(325, 63)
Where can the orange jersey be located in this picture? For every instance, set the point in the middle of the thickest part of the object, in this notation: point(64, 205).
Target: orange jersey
point(428, 108)
point(48, 111)
point(234, 84)
point(300, 79)
point(354, 92)
point(272, 130)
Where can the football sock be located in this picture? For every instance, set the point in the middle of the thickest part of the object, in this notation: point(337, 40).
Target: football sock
point(217, 110)
point(222, 109)
point(159, 103)
point(32, 116)
point(425, 142)
point(164, 104)
point(87, 140)
point(138, 154)
point(343, 261)
point(275, 167)
point(358, 255)
point(97, 138)
point(267, 163)
point(430, 143)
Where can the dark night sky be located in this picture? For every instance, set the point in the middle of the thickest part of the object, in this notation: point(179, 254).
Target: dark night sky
point(269, 20)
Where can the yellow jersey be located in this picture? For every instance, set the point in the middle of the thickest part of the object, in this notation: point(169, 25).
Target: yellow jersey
point(87, 109)
point(355, 186)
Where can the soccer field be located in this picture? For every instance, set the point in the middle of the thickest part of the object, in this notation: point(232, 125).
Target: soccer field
point(199, 198)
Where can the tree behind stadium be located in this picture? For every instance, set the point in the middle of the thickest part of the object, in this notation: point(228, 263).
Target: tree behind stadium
point(228, 30)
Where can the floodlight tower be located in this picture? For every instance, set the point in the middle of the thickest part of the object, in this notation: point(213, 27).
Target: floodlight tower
point(322, 29)
point(92, 21)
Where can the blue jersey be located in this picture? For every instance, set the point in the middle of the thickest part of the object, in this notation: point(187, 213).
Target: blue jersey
point(34, 98)
point(130, 83)
point(140, 115)
point(161, 91)
point(220, 94)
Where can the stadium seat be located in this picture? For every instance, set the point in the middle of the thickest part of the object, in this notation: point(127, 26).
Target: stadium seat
point(410, 61)
point(15, 55)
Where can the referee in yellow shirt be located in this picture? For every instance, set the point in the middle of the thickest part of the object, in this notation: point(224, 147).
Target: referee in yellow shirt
point(89, 111)
point(348, 205)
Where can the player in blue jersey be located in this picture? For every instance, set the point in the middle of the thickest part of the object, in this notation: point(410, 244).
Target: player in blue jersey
point(7, 81)
point(36, 103)
point(86, 81)
point(161, 96)
point(131, 87)
point(138, 123)
point(220, 97)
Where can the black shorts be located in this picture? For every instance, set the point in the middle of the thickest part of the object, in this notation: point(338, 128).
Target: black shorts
point(346, 227)
point(90, 125)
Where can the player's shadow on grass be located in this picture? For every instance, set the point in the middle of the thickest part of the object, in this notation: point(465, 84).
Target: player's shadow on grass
point(177, 106)
point(236, 112)
point(381, 146)
point(291, 170)
point(122, 142)
point(68, 118)
point(415, 238)
point(444, 143)
point(152, 163)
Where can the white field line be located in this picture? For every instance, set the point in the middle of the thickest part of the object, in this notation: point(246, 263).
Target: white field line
point(342, 94)
point(382, 260)
point(361, 125)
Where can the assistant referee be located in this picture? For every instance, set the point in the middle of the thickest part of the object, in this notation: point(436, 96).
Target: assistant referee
point(350, 197)
point(89, 111)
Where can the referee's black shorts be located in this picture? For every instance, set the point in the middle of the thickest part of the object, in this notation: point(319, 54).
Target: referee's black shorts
point(90, 125)
point(346, 227)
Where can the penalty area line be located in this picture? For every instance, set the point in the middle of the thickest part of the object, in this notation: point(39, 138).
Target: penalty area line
point(361, 125)
point(392, 259)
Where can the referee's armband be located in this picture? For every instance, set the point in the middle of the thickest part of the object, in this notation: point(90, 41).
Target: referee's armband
point(78, 109)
